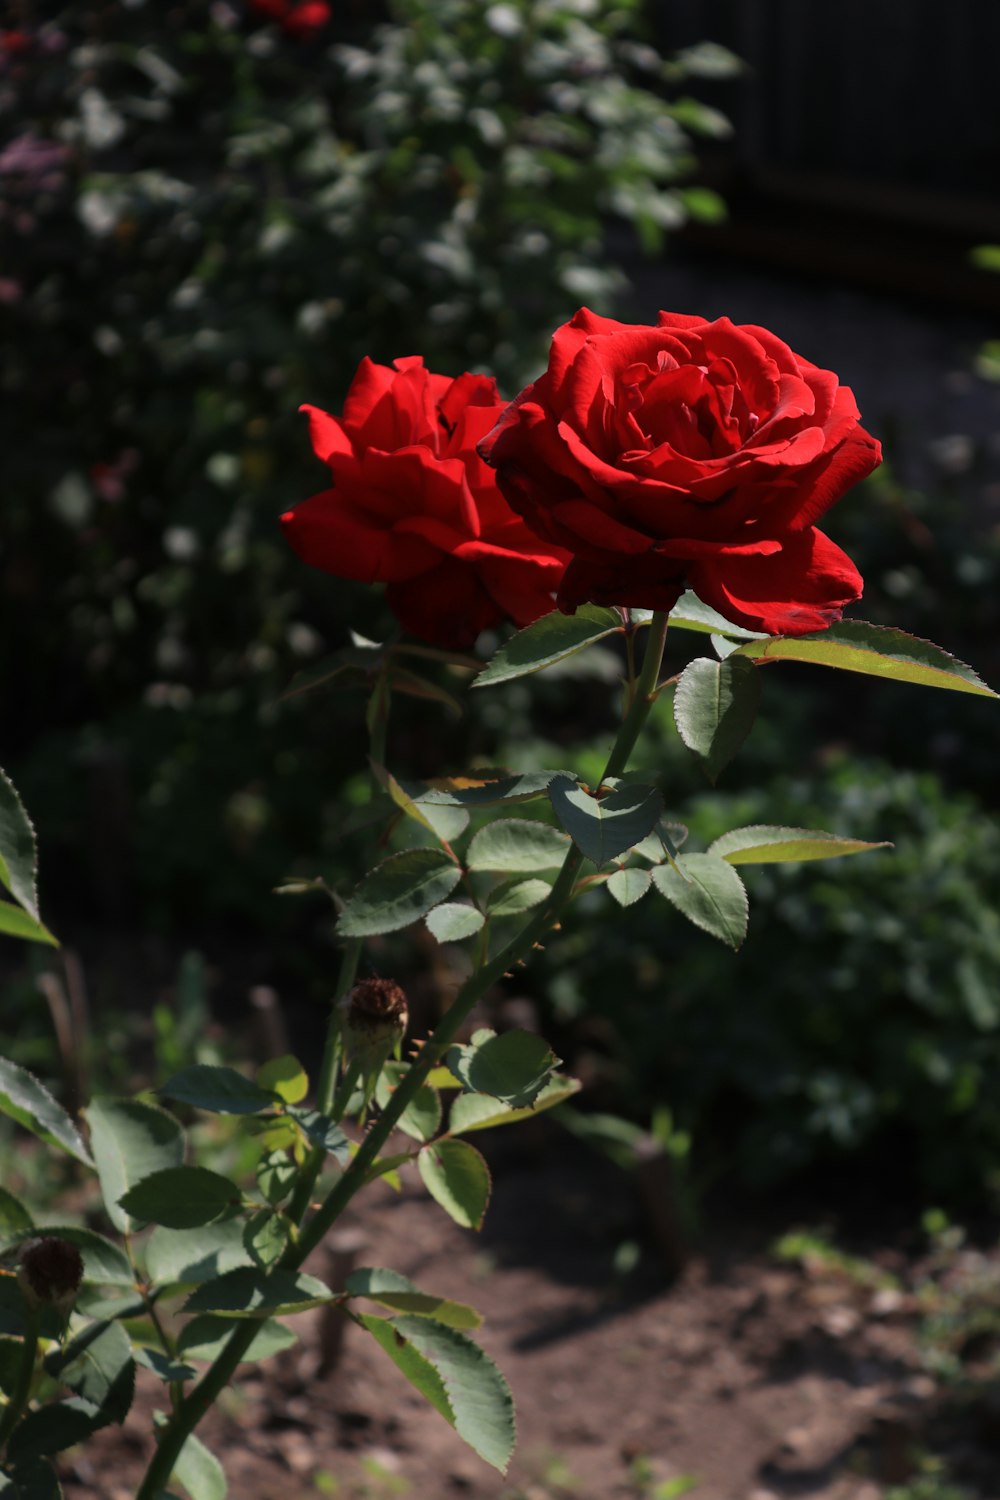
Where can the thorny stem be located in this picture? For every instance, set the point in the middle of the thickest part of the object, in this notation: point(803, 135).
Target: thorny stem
point(204, 1394)
point(22, 1380)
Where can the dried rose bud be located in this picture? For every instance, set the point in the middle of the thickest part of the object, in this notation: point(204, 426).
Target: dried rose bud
point(375, 1017)
point(49, 1273)
point(376, 1012)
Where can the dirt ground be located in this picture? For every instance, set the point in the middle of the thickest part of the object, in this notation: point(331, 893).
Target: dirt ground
point(750, 1376)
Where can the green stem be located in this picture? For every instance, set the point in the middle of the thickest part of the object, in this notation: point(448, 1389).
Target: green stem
point(378, 728)
point(21, 1392)
point(213, 1382)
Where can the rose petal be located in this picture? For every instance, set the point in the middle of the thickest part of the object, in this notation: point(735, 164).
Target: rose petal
point(805, 586)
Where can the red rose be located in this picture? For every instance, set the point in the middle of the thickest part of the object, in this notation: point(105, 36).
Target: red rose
point(415, 507)
point(301, 21)
point(689, 454)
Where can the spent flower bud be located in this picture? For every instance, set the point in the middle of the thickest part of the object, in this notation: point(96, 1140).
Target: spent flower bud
point(375, 1018)
point(49, 1273)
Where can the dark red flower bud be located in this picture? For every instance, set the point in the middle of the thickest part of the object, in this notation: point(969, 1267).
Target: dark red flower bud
point(50, 1271)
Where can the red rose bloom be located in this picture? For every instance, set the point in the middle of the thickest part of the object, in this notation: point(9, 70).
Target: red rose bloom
point(689, 454)
point(415, 507)
point(301, 21)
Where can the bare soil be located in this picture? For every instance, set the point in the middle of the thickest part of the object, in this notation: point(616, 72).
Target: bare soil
point(758, 1377)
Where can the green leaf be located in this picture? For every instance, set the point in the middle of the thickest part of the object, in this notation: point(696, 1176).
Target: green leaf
point(265, 1236)
point(513, 897)
point(276, 1174)
point(456, 1377)
point(453, 921)
point(103, 1262)
point(715, 704)
point(419, 1371)
point(421, 1118)
point(129, 1141)
point(480, 1112)
point(665, 839)
point(875, 651)
point(181, 1197)
point(252, 1293)
point(986, 257)
point(708, 892)
point(603, 827)
point(444, 822)
point(515, 846)
point(286, 1077)
point(764, 844)
point(457, 1177)
point(52, 1429)
point(18, 853)
point(629, 886)
point(218, 1090)
point(97, 1364)
point(395, 1291)
point(481, 788)
point(35, 1480)
point(550, 639)
point(204, 1338)
point(690, 614)
point(14, 1316)
point(189, 1256)
point(28, 1102)
point(513, 1067)
point(170, 1371)
point(199, 1471)
point(18, 923)
point(399, 892)
point(321, 1131)
point(14, 1217)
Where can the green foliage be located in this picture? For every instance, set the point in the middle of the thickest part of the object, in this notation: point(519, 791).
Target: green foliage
point(29, 1102)
point(19, 868)
point(874, 651)
point(181, 1197)
point(457, 1177)
point(456, 1377)
point(399, 891)
point(605, 825)
point(715, 705)
point(390, 1289)
point(130, 1140)
point(708, 892)
point(513, 1068)
point(863, 1008)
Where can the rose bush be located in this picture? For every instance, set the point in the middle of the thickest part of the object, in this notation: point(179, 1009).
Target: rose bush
point(415, 507)
point(687, 454)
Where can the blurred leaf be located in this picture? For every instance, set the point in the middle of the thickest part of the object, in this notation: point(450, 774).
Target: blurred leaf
point(605, 826)
point(512, 845)
point(218, 1090)
point(181, 1197)
point(550, 639)
point(129, 1141)
point(453, 921)
point(763, 843)
point(457, 1177)
point(399, 892)
point(395, 1291)
point(708, 892)
point(456, 1377)
point(875, 651)
point(253, 1293)
point(513, 1067)
point(715, 705)
point(28, 1102)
